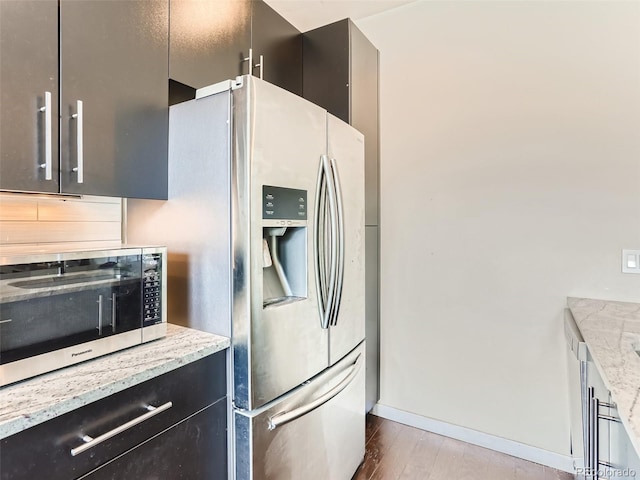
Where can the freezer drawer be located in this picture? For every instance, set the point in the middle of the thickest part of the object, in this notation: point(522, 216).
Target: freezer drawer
point(289, 439)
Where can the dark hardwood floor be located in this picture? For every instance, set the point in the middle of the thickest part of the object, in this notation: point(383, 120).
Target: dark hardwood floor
point(396, 451)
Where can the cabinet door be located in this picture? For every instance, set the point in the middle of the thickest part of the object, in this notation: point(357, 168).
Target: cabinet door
point(114, 61)
point(623, 454)
point(29, 68)
point(594, 380)
point(280, 45)
point(209, 40)
point(327, 68)
point(195, 449)
point(176, 395)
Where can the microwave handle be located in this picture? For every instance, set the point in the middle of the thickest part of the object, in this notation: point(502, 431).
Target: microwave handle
point(99, 314)
point(114, 300)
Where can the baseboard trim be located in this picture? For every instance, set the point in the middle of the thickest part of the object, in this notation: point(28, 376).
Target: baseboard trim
point(510, 447)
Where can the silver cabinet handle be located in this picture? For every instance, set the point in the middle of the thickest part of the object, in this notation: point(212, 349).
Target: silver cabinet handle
point(91, 442)
point(261, 65)
point(286, 417)
point(99, 314)
point(250, 60)
point(595, 438)
point(114, 307)
point(79, 116)
point(47, 165)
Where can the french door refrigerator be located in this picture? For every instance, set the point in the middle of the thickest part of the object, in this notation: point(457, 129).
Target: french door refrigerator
point(265, 233)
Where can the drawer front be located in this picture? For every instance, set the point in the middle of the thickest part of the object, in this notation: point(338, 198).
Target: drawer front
point(195, 449)
point(47, 447)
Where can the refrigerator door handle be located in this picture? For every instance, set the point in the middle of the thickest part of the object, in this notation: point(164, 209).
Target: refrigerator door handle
point(340, 243)
point(320, 270)
point(285, 417)
point(333, 240)
point(326, 194)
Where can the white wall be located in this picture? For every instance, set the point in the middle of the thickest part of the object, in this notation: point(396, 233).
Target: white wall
point(510, 179)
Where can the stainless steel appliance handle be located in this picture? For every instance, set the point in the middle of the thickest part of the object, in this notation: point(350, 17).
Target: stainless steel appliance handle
point(340, 234)
point(320, 270)
point(114, 309)
point(282, 418)
point(91, 442)
point(322, 254)
point(79, 116)
point(48, 133)
point(333, 242)
point(99, 314)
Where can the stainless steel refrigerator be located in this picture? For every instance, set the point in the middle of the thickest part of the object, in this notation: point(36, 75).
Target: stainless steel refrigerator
point(265, 233)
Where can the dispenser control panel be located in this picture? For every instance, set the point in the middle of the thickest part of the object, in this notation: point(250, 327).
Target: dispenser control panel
point(286, 204)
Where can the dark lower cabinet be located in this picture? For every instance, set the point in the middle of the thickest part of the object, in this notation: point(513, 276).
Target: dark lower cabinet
point(169, 427)
point(191, 450)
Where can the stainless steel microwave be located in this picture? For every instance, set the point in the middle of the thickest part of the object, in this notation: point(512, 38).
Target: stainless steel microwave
point(61, 308)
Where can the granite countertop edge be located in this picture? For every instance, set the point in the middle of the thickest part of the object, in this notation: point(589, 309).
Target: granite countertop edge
point(22, 405)
point(611, 330)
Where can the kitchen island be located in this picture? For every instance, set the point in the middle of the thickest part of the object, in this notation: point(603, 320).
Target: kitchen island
point(611, 331)
point(114, 414)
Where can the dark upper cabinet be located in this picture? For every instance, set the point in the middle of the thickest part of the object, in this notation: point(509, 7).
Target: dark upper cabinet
point(216, 40)
point(340, 73)
point(29, 79)
point(113, 59)
point(280, 45)
point(112, 127)
point(209, 40)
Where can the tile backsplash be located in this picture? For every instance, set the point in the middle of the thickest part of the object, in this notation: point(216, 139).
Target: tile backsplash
point(51, 219)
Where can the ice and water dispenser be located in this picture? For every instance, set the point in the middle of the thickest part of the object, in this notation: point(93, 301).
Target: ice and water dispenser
point(284, 245)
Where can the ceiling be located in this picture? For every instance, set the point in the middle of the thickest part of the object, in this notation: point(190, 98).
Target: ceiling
point(309, 14)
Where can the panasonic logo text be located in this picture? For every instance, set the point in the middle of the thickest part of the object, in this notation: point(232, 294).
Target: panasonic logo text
point(81, 353)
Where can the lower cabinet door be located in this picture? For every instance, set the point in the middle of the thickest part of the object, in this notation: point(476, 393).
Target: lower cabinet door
point(194, 449)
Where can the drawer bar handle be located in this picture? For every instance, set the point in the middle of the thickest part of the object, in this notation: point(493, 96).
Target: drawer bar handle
point(609, 418)
point(91, 442)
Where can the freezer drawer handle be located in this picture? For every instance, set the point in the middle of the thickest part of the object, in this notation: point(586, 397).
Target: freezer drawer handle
point(91, 442)
point(286, 417)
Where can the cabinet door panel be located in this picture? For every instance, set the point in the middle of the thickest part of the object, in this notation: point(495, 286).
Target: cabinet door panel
point(47, 447)
point(194, 449)
point(29, 68)
point(280, 43)
point(114, 60)
point(326, 70)
point(209, 40)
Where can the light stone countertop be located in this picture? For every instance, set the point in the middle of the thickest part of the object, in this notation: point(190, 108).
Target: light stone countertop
point(611, 331)
point(30, 402)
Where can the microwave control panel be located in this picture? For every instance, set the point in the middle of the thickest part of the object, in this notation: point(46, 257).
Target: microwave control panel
point(152, 288)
